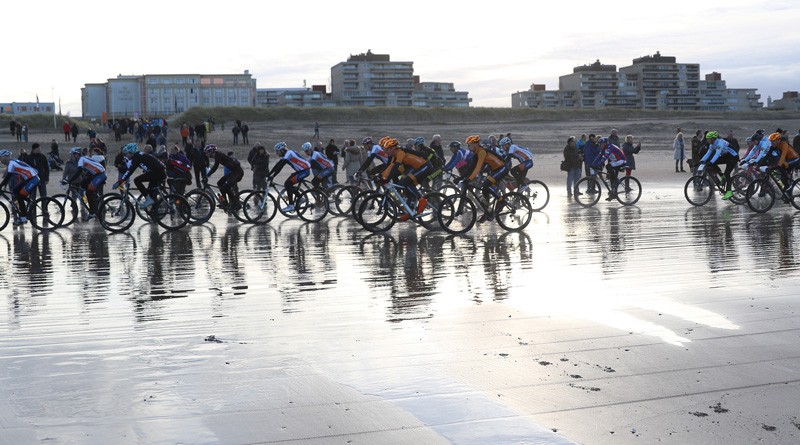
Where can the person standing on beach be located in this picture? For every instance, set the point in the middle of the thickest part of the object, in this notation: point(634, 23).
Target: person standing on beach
point(590, 151)
point(353, 158)
point(436, 146)
point(316, 130)
point(732, 141)
point(629, 150)
point(572, 161)
point(19, 131)
point(74, 130)
point(332, 153)
point(697, 144)
point(679, 147)
point(38, 160)
point(614, 137)
point(235, 130)
point(12, 126)
point(67, 128)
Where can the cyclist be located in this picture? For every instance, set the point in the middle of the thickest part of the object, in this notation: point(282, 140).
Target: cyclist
point(94, 176)
point(497, 169)
point(415, 167)
point(26, 179)
point(429, 155)
point(321, 166)
point(788, 160)
point(375, 151)
point(302, 168)
point(760, 148)
point(462, 160)
point(720, 151)
point(154, 173)
point(179, 169)
point(227, 183)
point(616, 159)
point(520, 154)
point(70, 169)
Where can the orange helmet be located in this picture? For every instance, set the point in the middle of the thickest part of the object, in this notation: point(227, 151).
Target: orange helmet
point(383, 140)
point(390, 143)
point(774, 137)
point(474, 139)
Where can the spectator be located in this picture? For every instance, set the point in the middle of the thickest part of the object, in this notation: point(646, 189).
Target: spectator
point(572, 162)
point(613, 138)
point(91, 133)
point(25, 138)
point(354, 156)
point(316, 130)
point(199, 162)
point(796, 141)
point(184, 134)
point(436, 146)
point(732, 141)
point(332, 153)
point(67, 128)
point(39, 161)
point(235, 130)
point(19, 132)
point(260, 166)
point(697, 145)
point(54, 157)
point(590, 152)
point(245, 130)
point(74, 130)
point(12, 125)
point(117, 131)
point(680, 149)
point(629, 150)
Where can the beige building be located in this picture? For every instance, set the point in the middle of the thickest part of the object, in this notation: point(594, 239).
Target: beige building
point(789, 101)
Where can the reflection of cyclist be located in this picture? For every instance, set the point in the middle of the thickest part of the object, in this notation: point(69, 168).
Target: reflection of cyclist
point(788, 158)
point(720, 151)
point(301, 167)
point(321, 166)
point(154, 173)
point(616, 159)
point(234, 173)
point(26, 179)
point(94, 176)
point(521, 155)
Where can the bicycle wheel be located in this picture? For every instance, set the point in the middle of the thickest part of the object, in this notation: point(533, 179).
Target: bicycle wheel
point(201, 206)
point(587, 191)
point(115, 213)
point(5, 215)
point(795, 191)
point(357, 201)
point(259, 207)
point(629, 190)
point(513, 211)
point(457, 214)
point(344, 198)
point(237, 209)
point(760, 195)
point(46, 214)
point(312, 205)
point(429, 216)
point(171, 211)
point(330, 194)
point(537, 193)
point(698, 190)
point(739, 184)
point(377, 213)
point(446, 188)
point(70, 208)
point(283, 202)
point(143, 213)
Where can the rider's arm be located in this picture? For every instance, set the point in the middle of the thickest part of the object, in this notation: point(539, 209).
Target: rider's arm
point(214, 168)
point(481, 156)
point(277, 168)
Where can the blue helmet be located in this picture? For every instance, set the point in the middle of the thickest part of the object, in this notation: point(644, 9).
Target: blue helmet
point(504, 141)
point(5, 153)
point(279, 146)
point(78, 150)
point(307, 146)
point(419, 141)
point(602, 141)
point(129, 149)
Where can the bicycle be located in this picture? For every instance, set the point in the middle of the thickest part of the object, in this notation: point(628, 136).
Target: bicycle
point(458, 213)
point(218, 201)
point(311, 204)
point(44, 213)
point(761, 193)
point(380, 210)
point(627, 189)
point(117, 211)
point(535, 190)
point(259, 206)
point(701, 186)
point(72, 207)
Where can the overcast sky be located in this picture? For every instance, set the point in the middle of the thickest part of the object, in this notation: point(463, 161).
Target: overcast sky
point(490, 51)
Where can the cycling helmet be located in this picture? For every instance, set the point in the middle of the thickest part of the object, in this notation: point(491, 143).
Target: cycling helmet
point(367, 141)
point(279, 146)
point(75, 150)
point(602, 141)
point(130, 148)
point(307, 147)
point(474, 139)
point(5, 153)
point(455, 144)
point(383, 140)
point(419, 141)
point(712, 135)
point(504, 141)
point(210, 150)
point(391, 143)
point(774, 137)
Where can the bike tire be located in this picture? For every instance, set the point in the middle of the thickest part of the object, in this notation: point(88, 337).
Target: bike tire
point(739, 184)
point(144, 214)
point(201, 206)
point(457, 214)
point(283, 202)
point(629, 190)
point(312, 205)
point(344, 198)
point(538, 194)
point(377, 213)
point(447, 188)
point(796, 194)
point(115, 213)
point(5, 215)
point(171, 211)
point(259, 207)
point(46, 214)
point(513, 211)
point(71, 210)
point(583, 188)
point(760, 195)
point(698, 190)
point(429, 216)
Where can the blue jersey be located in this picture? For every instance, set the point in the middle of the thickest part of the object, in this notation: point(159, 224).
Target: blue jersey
point(717, 149)
point(459, 159)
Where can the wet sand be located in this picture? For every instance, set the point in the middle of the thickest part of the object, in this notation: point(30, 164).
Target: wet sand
point(654, 323)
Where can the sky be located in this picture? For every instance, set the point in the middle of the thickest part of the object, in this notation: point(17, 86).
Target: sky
point(491, 50)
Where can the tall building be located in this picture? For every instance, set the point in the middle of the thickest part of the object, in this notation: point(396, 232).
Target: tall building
point(789, 101)
point(316, 96)
point(651, 82)
point(373, 80)
point(158, 95)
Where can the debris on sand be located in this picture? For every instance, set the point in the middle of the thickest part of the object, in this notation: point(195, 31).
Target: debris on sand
point(545, 363)
point(718, 408)
point(213, 339)
point(699, 414)
point(768, 427)
point(585, 388)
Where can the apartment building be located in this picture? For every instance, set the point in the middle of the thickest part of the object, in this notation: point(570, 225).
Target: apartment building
point(652, 82)
point(789, 101)
point(24, 108)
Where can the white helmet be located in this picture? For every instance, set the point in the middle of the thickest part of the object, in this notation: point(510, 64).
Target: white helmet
point(307, 146)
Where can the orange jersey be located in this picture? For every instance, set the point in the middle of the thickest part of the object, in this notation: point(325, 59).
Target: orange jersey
point(402, 158)
point(787, 153)
point(486, 158)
